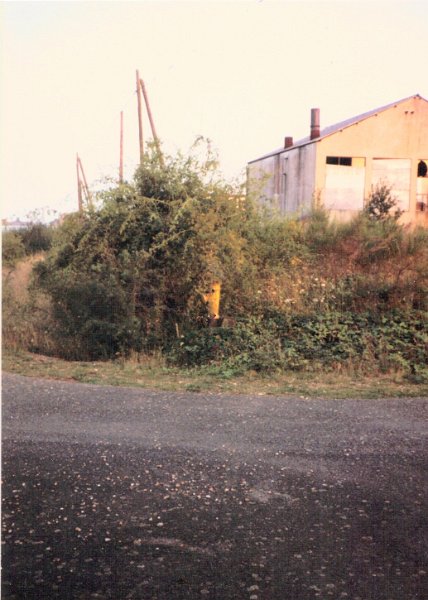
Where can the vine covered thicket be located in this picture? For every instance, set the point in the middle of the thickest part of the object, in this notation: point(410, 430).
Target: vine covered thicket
point(304, 294)
point(130, 275)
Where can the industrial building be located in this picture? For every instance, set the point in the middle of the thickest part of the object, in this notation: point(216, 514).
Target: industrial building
point(340, 165)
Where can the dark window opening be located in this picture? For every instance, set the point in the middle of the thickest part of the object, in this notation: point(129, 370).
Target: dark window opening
point(422, 168)
point(345, 161)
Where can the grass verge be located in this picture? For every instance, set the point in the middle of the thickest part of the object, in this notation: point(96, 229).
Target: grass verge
point(153, 374)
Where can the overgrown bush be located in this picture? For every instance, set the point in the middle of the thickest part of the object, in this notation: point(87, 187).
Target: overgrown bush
point(392, 341)
point(305, 294)
point(36, 238)
point(12, 248)
point(381, 202)
point(31, 240)
point(130, 275)
point(93, 318)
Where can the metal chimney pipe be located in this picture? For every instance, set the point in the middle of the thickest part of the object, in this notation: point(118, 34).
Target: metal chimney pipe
point(288, 142)
point(315, 123)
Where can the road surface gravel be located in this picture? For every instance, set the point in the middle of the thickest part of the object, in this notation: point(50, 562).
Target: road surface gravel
point(128, 493)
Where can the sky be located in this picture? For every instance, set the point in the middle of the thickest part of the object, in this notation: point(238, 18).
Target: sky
point(242, 73)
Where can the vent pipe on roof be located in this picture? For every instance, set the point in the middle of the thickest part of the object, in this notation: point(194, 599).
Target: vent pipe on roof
point(288, 142)
point(315, 123)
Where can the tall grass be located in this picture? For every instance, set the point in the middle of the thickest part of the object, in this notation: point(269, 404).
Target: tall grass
point(26, 315)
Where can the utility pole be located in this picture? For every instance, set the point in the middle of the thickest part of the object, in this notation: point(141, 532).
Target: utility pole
point(140, 118)
point(152, 124)
point(79, 186)
point(83, 183)
point(121, 149)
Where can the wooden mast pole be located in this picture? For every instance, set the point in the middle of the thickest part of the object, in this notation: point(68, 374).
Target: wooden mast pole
point(121, 149)
point(152, 124)
point(79, 186)
point(140, 118)
point(85, 183)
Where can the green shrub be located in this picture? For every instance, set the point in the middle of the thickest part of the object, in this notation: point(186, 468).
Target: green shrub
point(130, 276)
point(381, 202)
point(93, 318)
point(36, 238)
point(385, 342)
point(12, 248)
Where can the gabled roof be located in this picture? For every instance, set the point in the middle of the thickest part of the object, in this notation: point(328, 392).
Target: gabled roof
point(337, 127)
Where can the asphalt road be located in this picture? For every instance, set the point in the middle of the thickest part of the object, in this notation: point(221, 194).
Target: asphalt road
point(127, 493)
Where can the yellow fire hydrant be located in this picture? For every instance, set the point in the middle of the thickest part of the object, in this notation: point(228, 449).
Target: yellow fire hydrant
point(212, 300)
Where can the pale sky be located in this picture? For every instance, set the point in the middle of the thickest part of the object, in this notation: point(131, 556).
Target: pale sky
point(242, 73)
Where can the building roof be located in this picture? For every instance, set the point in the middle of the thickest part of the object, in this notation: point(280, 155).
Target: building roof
point(15, 224)
point(336, 127)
